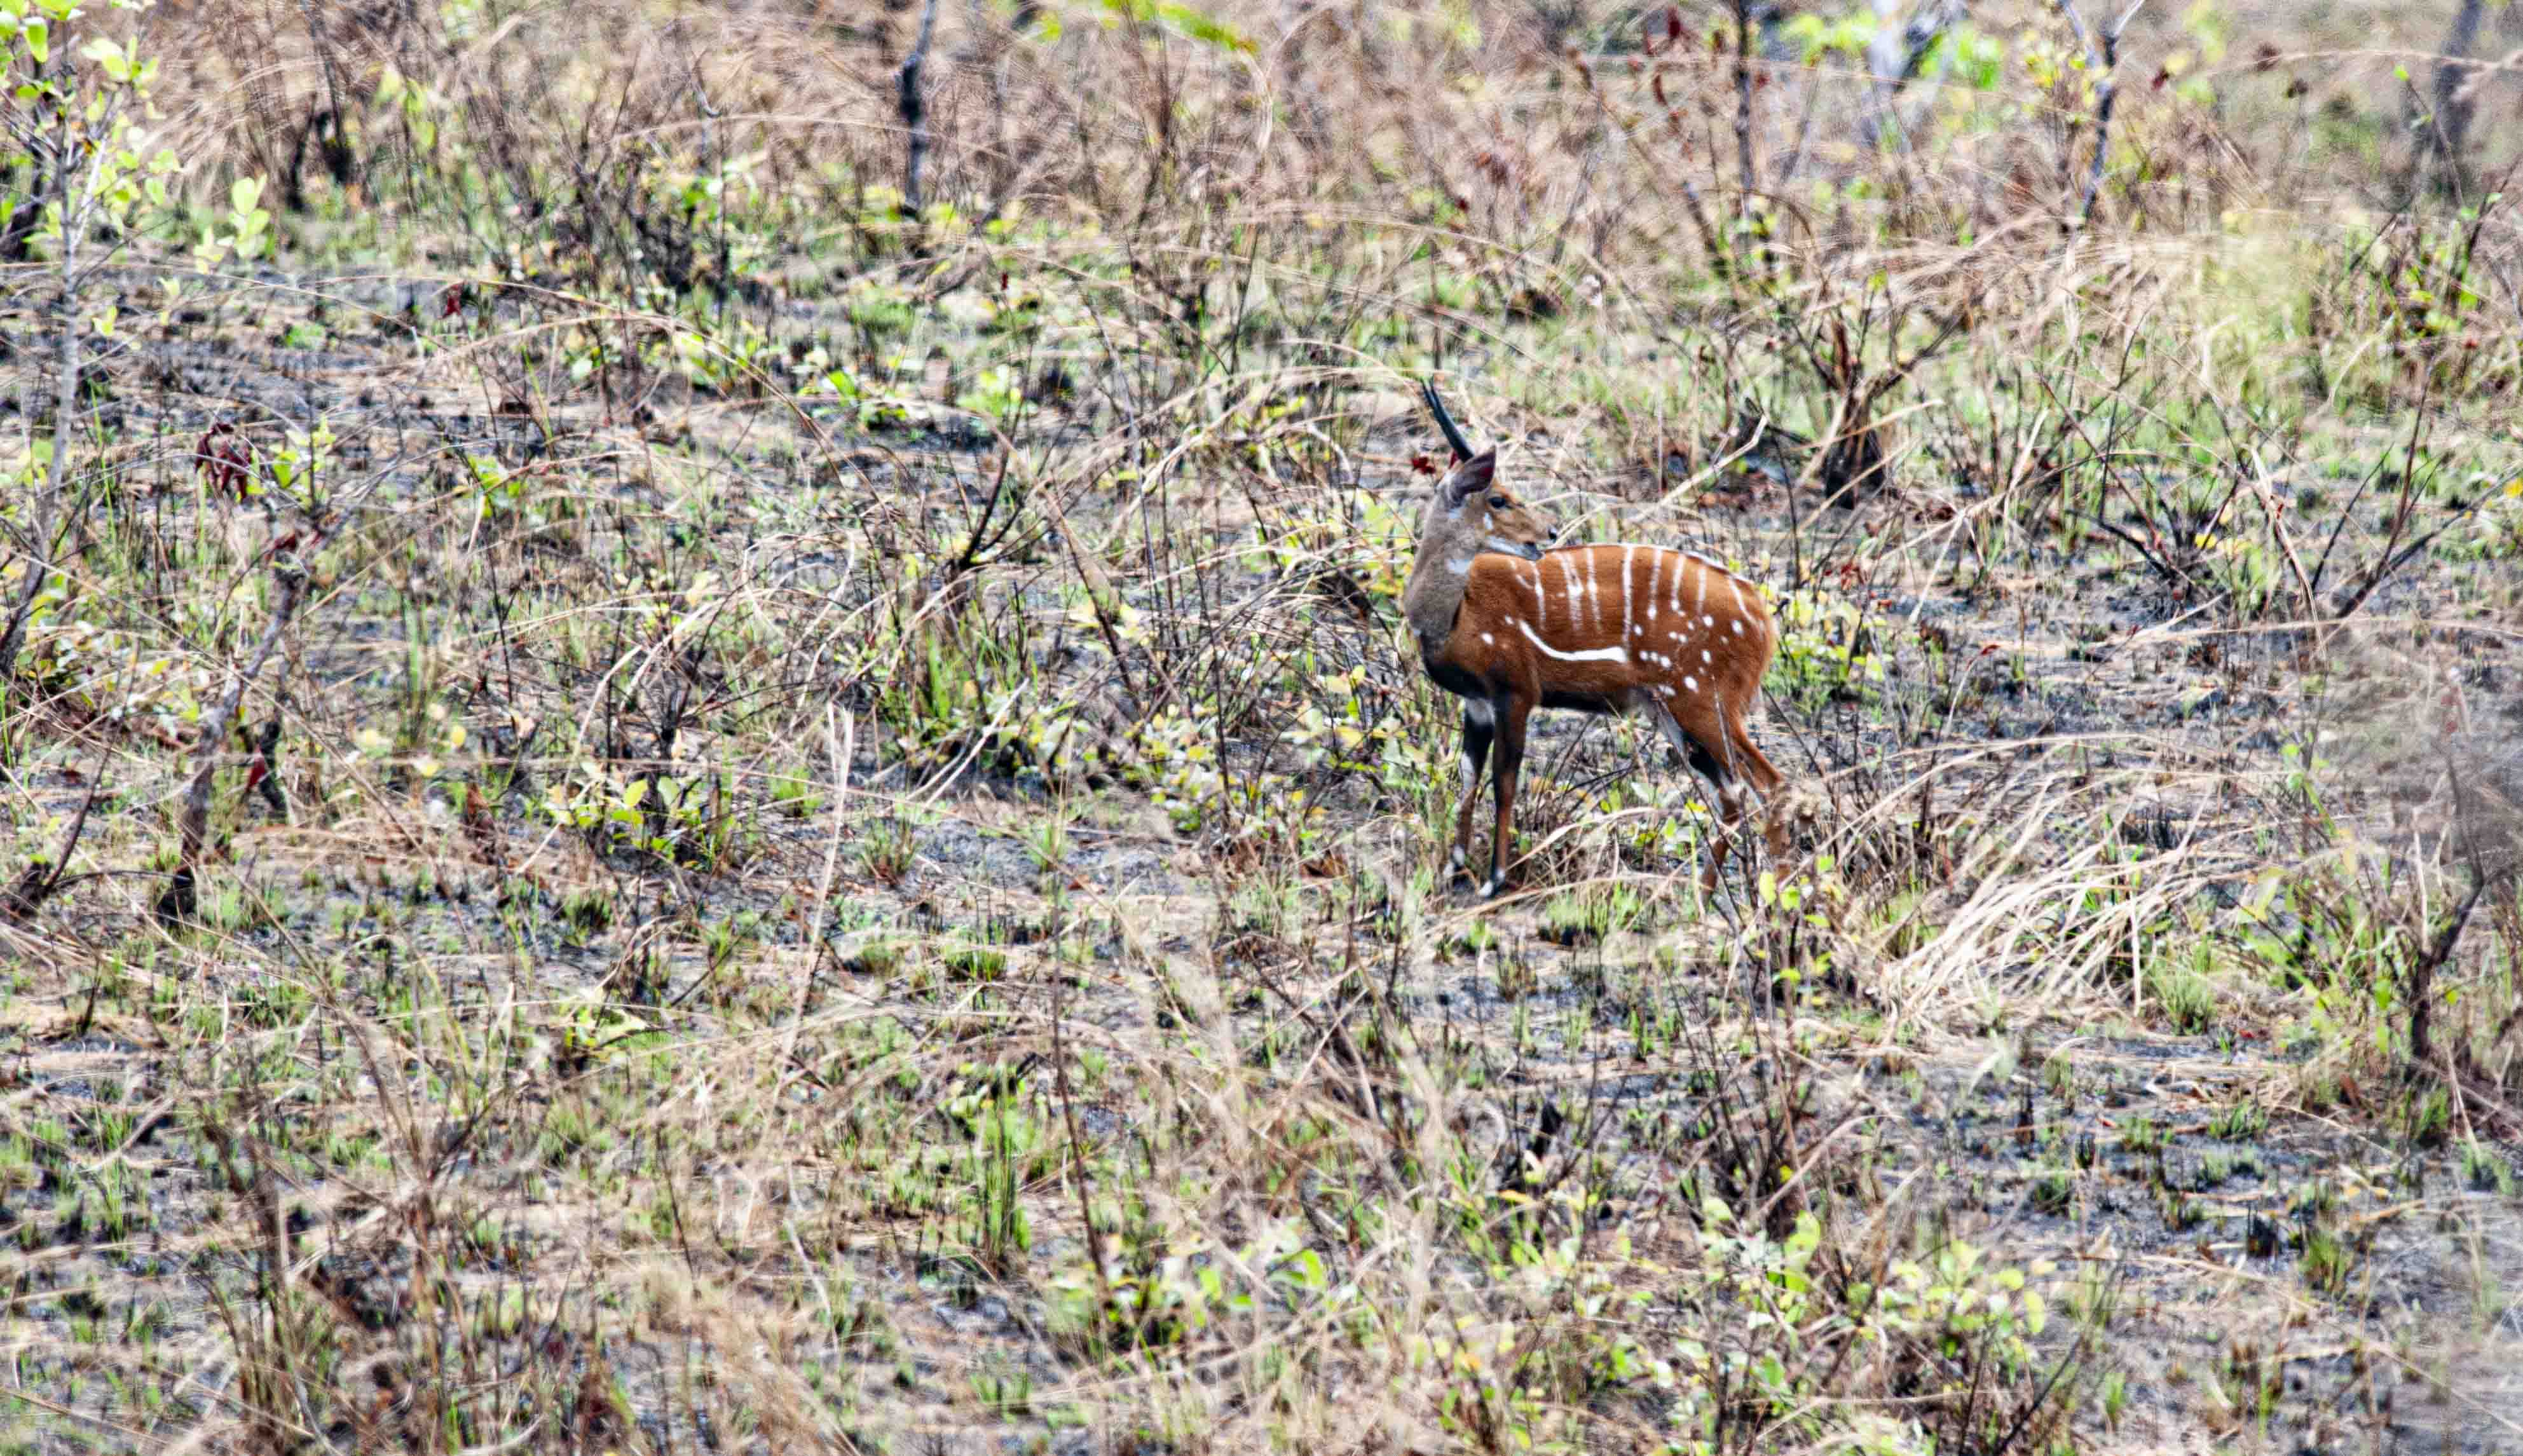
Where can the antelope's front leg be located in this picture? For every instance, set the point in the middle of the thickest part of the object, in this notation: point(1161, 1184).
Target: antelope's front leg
point(1479, 727)
point(1510, 758)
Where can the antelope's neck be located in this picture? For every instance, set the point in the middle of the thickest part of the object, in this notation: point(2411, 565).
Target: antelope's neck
point(1434, 591)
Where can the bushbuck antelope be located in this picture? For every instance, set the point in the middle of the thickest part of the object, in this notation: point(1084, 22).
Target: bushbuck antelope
point(1509, 627)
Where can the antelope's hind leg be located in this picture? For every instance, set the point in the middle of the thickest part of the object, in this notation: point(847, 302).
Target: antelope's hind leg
point(1731, 791)
point(1773, 786)
point(1480, 725)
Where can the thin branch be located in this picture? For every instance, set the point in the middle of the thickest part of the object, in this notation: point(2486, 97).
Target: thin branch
point(38, 561)
point(41, 879)
point(290, 578)
point(1751, 179)
point(2106, 92)
point(915, 110)
point(1893, 69)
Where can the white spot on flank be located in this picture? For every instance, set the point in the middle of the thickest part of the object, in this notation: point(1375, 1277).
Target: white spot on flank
point(1615, 654)
point(1690, 682)
point(1739, 629)
point(1707, 621)
point(1704, 657)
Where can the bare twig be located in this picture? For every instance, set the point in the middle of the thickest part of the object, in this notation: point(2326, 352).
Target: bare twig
point(1750, 180)
point(2446, 133)
point(41, 879)
point(2106, 92)
point(1106, 1309)
point(2420, 989)
point(1894, 58)
point(2274, 511)
point(915, 112)
point(289, 577)
point(39, 545)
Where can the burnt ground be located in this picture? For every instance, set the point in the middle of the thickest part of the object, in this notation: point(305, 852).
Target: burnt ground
point(476, 1081)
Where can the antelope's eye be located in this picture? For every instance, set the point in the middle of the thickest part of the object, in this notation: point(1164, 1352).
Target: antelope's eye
point(1498, 503)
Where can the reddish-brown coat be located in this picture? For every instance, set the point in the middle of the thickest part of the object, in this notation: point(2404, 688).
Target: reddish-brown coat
point(1508, 628)
point(1613, 621)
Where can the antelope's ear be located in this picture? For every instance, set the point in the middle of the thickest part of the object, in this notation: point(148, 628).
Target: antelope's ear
point(1468, 476)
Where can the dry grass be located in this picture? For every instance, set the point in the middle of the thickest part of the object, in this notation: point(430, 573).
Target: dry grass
point(835, 848)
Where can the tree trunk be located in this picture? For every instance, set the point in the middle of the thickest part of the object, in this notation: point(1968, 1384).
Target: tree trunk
point(2447, 134)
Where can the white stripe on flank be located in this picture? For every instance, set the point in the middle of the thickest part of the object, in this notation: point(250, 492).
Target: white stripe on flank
point(1576, 593)
point(1594, 593)
point(1628, 554)
point(1740, 610)
point(1700, 597)
point(1597, 654)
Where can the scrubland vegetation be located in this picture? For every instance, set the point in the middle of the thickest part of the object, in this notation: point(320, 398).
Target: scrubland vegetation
point(707, 746)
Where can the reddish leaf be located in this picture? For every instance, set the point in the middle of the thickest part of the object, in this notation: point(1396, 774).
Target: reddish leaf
point(224, 460)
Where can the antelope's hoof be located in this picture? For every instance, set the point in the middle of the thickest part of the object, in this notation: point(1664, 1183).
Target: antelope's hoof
point(1496, 883)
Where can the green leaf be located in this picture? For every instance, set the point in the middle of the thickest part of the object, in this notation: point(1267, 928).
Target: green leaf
point(1191, 23)
point(108, 58)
